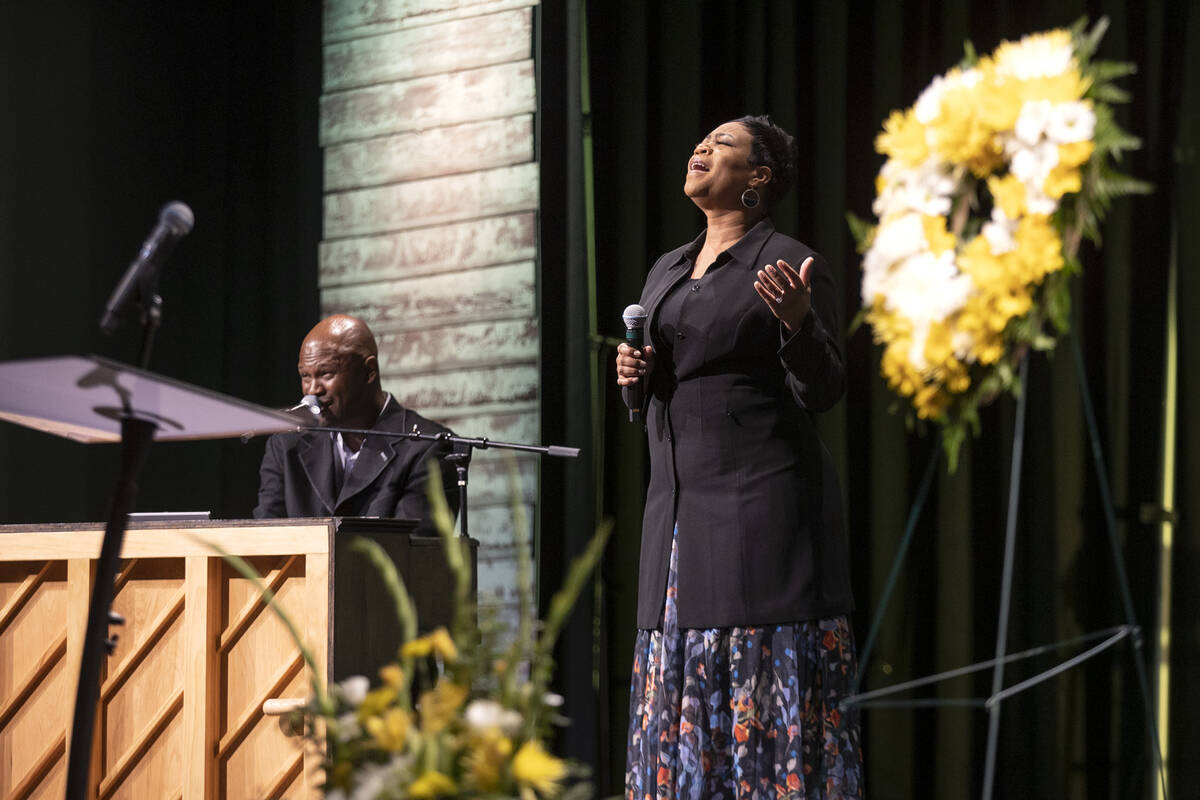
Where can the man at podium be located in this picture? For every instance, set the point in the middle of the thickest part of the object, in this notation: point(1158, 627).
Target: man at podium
point(322, 473)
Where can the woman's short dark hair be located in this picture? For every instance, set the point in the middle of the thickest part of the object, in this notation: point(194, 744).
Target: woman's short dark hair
point(772, 147)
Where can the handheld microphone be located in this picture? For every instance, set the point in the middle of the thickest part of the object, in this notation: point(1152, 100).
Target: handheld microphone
point(174, 222)
point(634, 395)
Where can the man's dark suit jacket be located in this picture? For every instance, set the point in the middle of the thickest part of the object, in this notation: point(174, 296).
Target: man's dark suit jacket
point(298, 478)
point(734, 456)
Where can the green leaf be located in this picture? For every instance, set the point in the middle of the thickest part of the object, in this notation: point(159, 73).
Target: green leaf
point(861, 230)
point(452, 546)
point(1108, 93)
point(970, 57)
point(859, 319)
point(1104, 71)
point(953, 436)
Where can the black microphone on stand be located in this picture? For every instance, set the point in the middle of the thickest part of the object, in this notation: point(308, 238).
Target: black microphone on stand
point(635, 394)
point(174, 222)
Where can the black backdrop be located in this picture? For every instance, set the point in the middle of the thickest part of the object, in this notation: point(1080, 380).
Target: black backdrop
point(111, 110)
point(664, 73)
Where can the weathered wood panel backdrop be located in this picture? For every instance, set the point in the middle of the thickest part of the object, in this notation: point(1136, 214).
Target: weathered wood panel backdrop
point(431, 195)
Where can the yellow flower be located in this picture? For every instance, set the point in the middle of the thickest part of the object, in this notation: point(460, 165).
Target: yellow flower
point(438, 642)
point(443, 644)
point(376, 701)
point(961, 134)
point(931, 401)
point(392, 675)
point(1039, 250)
point(439, 704)
point(1001, 99)
point(1074, 154)
point(1062, 180)
point(431, 784)
point(390, 730)
point(903, 139)
point(940, 240)
point(417, 648)
point(536, 769)
point(938, 348)
point(1009, 195)
point(486, 757)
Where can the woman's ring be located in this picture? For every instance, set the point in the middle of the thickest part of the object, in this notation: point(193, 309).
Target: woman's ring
point(778, 298)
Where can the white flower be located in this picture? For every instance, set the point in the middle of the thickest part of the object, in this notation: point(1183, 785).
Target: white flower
point(928, 288)
point(374, 780)
point(1071, 122)
point(482, 715)
point(895, 240)
point(1035, 57)
point(354, 689)
point(1033, 120)
point(1038, 202)
point(929, 104)
point(1031, 165)
point(926, 189)
point(999, 232)
point(348, 727)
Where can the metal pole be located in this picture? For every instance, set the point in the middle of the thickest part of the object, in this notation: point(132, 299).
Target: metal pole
point(1010, 539)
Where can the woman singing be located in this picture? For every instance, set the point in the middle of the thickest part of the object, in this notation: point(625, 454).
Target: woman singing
point(744, 648)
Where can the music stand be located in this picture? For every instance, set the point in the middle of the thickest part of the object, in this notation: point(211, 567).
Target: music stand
point(91, 399)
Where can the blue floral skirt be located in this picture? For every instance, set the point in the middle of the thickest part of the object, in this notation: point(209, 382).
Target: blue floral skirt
point(742, 712)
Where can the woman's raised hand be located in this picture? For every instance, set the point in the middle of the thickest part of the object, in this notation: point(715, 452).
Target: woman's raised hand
point(786, 292)
point(633, 364)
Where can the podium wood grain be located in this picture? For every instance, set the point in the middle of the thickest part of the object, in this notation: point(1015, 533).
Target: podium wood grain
point(181, 698)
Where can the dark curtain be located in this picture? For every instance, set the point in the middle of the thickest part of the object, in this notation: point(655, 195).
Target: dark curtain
point(110, 110)
point(664, 73)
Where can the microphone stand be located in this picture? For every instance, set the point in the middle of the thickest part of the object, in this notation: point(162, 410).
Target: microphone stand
point(136, 437)
point(459, 455)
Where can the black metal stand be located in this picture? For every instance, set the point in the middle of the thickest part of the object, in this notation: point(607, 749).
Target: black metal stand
point(136, 436)
point(1130, 630)
point(460, 454)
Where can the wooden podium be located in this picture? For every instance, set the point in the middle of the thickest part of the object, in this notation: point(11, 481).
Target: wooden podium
point(181, 703)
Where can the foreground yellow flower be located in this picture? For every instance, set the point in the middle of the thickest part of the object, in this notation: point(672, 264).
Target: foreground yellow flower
point(439, 643)
point(392, 675)
point(431, 784)
point(443, 644)
point(534, 768)
point(486, 758)
point(440, 704)
point(390, 730)
point(375, 702)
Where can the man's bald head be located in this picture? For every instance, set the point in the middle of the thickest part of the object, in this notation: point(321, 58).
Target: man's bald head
point(344, 333)
point(339, 364)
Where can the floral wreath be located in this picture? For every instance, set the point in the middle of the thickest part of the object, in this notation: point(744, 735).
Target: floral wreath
point(992, 178)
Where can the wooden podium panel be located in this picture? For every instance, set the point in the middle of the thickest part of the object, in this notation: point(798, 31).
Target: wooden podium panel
point(181, 698)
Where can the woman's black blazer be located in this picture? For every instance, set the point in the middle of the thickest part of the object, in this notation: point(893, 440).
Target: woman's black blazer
point(734, 457)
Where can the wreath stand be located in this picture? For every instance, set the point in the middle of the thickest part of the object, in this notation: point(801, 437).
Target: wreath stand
point(1107, 638)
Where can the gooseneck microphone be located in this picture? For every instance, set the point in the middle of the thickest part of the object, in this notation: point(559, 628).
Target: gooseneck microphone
point(635, 394)
point(174, 222)
point(307, 403)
